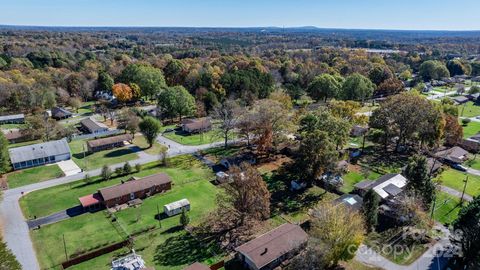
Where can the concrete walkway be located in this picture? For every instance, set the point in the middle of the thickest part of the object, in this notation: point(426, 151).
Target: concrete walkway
point(16, 231)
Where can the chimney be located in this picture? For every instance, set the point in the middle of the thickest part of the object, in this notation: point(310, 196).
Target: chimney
point(264, 252)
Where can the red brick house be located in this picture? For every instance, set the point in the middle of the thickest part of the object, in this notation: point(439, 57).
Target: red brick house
point(127, 191)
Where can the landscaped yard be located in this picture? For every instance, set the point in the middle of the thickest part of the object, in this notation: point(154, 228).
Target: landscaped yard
point(455, 179)
point(469, 109)
point(471, 129)
point(98, 159)
point(33, 175)
point(352, 178)
point(159, 247)
point(446, 208)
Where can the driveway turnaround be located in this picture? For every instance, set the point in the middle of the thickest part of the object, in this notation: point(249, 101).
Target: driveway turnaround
point(16, 231)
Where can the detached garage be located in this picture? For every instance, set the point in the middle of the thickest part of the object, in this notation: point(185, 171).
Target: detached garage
point(176, 208)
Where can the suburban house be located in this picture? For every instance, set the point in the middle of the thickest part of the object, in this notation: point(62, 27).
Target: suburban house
point(14, 135)
point(130, 262)
point(472, 144)
point(387, 186)
point(350, 201)
point(59, 113)
point(461, 100)
point(39, 154)
point(272, 248)
point(176, 208)
point(197, 125)
point(108, 143)
point(127, 191)
point(237, 160)
point(197, 266)
point(12, 119)
point(454, 155)
point(91, 126)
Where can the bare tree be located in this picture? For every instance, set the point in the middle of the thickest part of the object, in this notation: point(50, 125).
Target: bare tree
point(226, 114)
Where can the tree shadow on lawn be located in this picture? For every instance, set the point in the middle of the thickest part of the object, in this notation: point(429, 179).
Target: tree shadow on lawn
point(385, 162)
point(119, 153)
point(181, 249)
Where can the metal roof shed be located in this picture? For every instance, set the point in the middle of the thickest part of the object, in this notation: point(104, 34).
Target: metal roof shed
point(175, 208)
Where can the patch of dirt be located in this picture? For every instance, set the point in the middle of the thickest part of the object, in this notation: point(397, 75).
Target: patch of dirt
point(273, 164)
point(3, 182)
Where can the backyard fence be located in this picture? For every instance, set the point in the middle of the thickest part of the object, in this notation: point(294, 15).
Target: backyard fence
point(94, 254)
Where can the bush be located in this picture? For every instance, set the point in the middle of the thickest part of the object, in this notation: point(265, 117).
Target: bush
point(127, 168)
point(138, 167)
point(465, 121)
point(106, 173)
point(119, 171)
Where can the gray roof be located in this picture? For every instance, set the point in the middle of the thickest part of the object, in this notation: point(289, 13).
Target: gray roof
point(92, 125)
point(12, 117)
point(351, 201)
point(39, 150)
point(392, 190)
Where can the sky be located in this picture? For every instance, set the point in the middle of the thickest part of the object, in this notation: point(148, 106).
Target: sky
point(350, 14)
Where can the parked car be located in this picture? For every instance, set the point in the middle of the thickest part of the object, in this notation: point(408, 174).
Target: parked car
point(459, 167)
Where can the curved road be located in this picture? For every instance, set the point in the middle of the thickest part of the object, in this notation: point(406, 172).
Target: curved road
point(15, 230)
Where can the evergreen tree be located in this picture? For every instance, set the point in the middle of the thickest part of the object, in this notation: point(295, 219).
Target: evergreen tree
point(468, 223)
point(7, 259)
point(127, 168)
point(184, 218)
point(419, 180)
point(370, 209)
point(106, 173)
point(4, 156)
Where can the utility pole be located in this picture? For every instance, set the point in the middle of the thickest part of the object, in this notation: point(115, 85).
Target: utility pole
point(84, 159)
point(158, 216)
point(464, 187)
point(65, 247)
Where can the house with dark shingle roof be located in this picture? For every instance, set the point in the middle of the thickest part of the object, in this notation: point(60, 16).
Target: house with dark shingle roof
point(454, 155)
point(39, 154)
point(272, 248)
point(59, 113)
point(91, 126)
point(127, 191)
point(108, 143)
point(387, 186)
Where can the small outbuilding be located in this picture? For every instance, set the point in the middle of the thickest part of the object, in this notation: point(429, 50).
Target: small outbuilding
point(59, 113)
point(176, 208)
point(12, 119)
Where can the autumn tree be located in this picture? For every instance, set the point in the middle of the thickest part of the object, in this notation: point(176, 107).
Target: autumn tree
point(227, 114)
point(389, 87)
point(337, 128)
point(75, 103)
point(339, 230)
point(128, 120)
point(150, 127)
point(453, 130)
point(122, 92)
point(379, 74)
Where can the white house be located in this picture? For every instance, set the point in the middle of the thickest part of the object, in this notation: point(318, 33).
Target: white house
point(175, 208)
point(389, 185)
point(39, 154)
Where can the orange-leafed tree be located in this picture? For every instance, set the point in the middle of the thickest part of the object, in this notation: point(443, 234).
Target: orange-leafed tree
point(122, 92)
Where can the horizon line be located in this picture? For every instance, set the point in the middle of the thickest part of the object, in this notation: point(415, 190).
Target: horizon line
point(306, 27)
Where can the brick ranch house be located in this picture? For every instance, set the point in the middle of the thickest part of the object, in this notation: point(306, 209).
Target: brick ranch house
point(127, 191)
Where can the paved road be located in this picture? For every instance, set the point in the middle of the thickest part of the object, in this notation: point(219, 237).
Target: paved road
point(456, 193)
point(434, 258)
point(15, 229)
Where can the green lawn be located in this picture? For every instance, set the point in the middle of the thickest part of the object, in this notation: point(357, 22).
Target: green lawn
point(352, 178)
point(474, 162)
point(446, 208)
point(142, 143)
point(193, 139)
point(24, 143)
point(471, 129)
point(159, 248)
point(182, 169)
point(469, 109)
point(98, 159)
point(33, 175)
point(10, 126)
point(454, 179)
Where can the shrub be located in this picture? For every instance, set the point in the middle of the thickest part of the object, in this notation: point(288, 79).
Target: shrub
point(127, 168)
point(138, 167)
point(465, 121)
point(106, 173)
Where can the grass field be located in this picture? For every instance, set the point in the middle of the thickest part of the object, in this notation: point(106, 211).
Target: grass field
point(474, 163)
point(142, 143)
point(469, 109)
point(159, 247)
point(446, 208)
point(98, 159)
point(24, 143)
point(471, 129)
point(454, 179)
point(352, 178)
point(193, 139)
point(33, 175)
